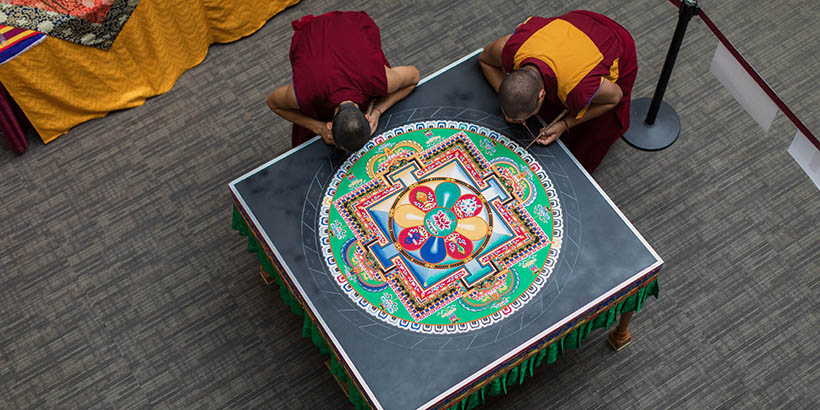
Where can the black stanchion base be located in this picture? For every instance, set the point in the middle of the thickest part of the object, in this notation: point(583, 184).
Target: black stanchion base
point(657, 136)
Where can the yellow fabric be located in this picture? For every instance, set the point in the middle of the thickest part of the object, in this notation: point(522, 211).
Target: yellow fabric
point(59, 84)
point(613, 71)
point(612, 76)
point(565, 49)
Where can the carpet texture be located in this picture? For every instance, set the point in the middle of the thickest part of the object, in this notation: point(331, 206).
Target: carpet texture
point(122, 285)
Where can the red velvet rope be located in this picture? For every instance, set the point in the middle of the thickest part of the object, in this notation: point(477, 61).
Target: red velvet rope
point(755, 76)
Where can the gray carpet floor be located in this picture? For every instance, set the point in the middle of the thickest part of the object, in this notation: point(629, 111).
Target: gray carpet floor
point(122, 285)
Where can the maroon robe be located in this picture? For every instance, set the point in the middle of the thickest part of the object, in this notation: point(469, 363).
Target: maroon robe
point(335, 57)
point(614, 52)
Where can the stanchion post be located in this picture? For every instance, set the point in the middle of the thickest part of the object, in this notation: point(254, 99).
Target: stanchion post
point(660, 126)
point(688, 8)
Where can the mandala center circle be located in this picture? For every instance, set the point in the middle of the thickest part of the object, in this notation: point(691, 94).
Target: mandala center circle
point(440, 222)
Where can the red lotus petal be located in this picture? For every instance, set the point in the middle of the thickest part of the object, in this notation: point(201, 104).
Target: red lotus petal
point(412, 239)
point(458, 246)
point(422, 197)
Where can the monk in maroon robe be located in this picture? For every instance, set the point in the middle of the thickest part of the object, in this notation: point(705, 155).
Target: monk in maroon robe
point(342, 82)
point(581, 62)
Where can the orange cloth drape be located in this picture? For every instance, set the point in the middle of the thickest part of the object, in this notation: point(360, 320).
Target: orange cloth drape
point(59, 84)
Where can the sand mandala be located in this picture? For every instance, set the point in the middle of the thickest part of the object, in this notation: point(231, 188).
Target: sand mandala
point(441, 227)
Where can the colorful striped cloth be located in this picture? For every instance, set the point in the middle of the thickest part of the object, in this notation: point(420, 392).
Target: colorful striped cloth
point(94, 23)
point(14, 41)
point(90, 10)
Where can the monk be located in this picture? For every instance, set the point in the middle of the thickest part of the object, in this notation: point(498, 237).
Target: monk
point(342, 82)
point(581, 62)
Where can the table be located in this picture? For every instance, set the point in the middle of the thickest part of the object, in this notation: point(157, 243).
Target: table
point(393, 354)
point(59, 84)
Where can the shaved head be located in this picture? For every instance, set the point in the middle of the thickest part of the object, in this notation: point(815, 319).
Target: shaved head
point(351, 130)
point(518, 94)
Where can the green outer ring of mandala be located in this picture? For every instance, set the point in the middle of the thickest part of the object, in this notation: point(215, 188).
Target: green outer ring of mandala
point(386, 295)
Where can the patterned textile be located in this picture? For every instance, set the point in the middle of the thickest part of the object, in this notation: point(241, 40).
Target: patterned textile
point(88, 22)
point(163, 39)
point(14, 41)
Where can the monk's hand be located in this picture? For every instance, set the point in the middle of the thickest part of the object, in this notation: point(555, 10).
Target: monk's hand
point(373, 118)
point(548, 135)
point(325, 132)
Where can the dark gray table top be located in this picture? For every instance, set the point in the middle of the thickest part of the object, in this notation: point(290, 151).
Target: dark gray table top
point(602, 254)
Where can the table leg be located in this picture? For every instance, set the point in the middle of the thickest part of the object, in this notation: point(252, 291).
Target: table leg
point(265, 276)
point(620, 337)
point(342, 385)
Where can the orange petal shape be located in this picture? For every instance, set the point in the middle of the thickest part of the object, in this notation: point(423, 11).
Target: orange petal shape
point(473, 228)
point(408, 216)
